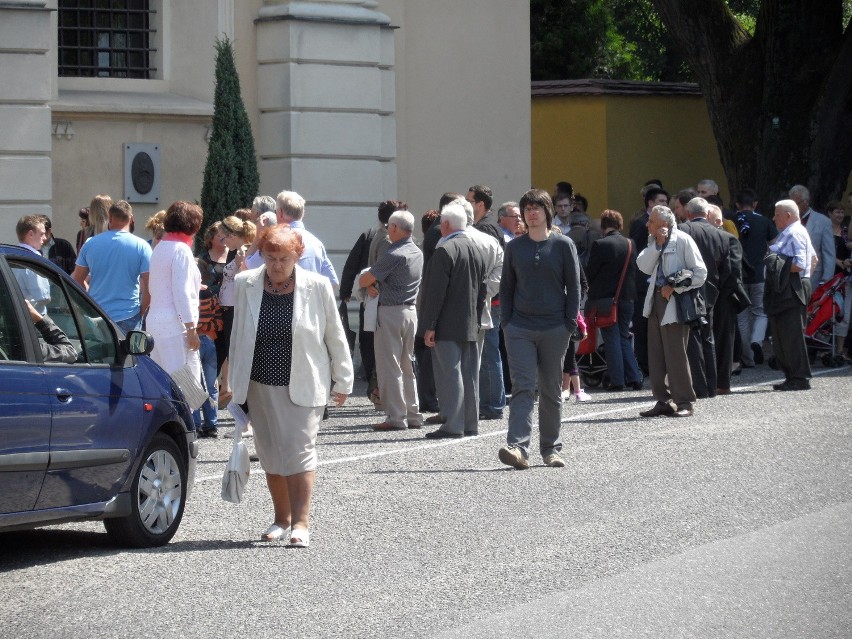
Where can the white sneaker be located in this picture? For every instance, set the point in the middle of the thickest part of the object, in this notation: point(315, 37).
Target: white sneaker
point(248, 433)
point(583, 396)
point(566, 395)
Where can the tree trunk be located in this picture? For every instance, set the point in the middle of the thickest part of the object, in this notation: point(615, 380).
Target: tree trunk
point(780, 102)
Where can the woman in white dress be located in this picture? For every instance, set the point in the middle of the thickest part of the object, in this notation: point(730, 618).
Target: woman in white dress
point(174, 282)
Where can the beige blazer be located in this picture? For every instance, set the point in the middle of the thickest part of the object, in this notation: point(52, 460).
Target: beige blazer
point(320, 350)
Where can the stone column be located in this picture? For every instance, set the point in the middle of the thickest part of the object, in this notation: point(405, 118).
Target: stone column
point(327, 125)
point(26, 81)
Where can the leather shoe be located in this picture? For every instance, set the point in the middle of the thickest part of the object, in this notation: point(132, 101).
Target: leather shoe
point(442, 434)
point(614, 388)
point(436, 419)
point(486, 418)
point(415, 426)
point(793, 385)
point(385, 426)
point(471, 433)
point(683, 412)
point(658, 409)
point(723, 391)
point(636, 385)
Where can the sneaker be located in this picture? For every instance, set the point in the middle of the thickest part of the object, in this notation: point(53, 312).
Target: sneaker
point(513, 457)
point(248, 433)
point(554, 461)
point(582, 396)
point(757, 349)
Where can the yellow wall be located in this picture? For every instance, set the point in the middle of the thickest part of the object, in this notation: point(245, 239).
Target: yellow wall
point(608, 146)
point(569, 142)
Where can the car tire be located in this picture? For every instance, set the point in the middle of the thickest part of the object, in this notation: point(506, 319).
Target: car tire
point(157, 496)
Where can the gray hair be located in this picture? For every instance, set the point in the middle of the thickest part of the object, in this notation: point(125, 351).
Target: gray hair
point(403, 220)
point(802, 191)
point(291, 204)
point(697, 207)
point(666, 215)
point(789, 205)
point(504, 210)
point(456, 215)
point(711, 185)
point(262, 204)
point(267, 219)
point(715, 217)
point(468, 208)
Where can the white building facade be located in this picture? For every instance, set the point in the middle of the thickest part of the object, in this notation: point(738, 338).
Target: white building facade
point(351, 102)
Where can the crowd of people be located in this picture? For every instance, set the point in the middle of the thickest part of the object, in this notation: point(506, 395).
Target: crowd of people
point(488, 306)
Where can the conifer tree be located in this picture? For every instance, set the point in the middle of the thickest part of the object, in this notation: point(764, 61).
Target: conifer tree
point(230, 175)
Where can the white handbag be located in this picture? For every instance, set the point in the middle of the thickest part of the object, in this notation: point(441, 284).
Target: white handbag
point(237, 470)
point(190, 386)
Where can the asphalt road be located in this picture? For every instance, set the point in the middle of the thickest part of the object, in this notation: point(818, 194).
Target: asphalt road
point(734, 523)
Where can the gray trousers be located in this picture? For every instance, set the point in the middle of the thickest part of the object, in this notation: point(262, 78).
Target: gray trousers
point(671, 380)
point(536, 356)
point(456, 367)
point(753, 322)
point(394, 348)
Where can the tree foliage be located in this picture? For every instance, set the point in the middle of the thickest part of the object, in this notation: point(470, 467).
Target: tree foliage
point(779, 95)
point(231, 179)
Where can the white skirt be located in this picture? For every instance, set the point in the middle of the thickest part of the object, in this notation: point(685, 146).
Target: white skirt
point(285, 435)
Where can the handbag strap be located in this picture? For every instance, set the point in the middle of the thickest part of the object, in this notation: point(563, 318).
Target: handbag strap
point(623, 273)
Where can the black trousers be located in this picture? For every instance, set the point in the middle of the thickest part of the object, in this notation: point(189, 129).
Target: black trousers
point(701, 353)
point(788, 343)
point(724, 333)
point(426, 394)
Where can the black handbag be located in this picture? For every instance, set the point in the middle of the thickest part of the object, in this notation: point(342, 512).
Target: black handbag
point(690, 306)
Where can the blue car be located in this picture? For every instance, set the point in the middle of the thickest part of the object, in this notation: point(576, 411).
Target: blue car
point(90, 426)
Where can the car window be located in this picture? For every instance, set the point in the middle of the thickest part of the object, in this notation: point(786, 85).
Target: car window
point(11, 342)
point(87, 329)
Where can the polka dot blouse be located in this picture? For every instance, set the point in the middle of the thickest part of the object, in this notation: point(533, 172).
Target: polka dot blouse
point(273, 350)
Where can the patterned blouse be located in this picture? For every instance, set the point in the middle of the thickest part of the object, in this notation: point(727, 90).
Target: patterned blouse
point(273, 349)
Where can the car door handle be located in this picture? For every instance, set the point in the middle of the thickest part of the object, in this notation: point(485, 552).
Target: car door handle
point(63, 394)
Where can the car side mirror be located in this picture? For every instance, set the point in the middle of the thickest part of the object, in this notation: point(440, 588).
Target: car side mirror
point(139, 343)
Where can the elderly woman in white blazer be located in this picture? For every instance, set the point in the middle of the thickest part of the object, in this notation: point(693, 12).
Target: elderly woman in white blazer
point(288, 352)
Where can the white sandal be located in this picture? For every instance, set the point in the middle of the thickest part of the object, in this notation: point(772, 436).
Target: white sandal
point(274, 533)
point(299, 538)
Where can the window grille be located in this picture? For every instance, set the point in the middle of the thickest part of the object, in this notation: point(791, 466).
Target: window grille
point(106, 39)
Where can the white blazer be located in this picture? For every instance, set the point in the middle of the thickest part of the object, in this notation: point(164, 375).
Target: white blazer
point(320, 350)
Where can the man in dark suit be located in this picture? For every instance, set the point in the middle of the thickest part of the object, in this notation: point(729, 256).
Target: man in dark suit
point(422, 354)
point(607, 257)
point(732, 299)
point(452, 303)
point(714, 250)
point(57, 250)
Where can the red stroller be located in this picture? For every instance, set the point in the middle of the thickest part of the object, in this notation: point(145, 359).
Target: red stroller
point(825, 310)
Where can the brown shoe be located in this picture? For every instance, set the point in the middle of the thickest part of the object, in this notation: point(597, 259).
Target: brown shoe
point(436, 420)
point(658, 410)
point(723, 391)
point(385, 426)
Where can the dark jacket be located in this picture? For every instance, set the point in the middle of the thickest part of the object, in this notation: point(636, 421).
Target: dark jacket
point(454, 291)
point(606, 261)
point(356, 262)
point(62, 254)
point(783, 289)
point(714, 251)
point(733, 289)
point(488, 225)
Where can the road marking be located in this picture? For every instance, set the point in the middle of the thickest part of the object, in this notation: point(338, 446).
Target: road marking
point(450, 442)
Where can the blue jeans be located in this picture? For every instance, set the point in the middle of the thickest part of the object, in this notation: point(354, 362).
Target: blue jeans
point(207, 353)
point(620, 358)
point(133, 323)
point(536, 356)
point(492, 392)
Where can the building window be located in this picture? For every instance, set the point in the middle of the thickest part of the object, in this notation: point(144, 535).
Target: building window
point(106, 39)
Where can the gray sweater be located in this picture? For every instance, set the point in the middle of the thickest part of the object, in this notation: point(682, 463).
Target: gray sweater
point(540, 293)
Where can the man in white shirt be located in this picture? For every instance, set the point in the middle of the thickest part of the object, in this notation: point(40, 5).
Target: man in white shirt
point(31, 236)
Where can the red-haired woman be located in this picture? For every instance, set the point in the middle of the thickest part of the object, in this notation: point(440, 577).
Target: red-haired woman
point(287, 345)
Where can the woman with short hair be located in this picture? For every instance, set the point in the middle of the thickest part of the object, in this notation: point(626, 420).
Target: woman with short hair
point(287, 345)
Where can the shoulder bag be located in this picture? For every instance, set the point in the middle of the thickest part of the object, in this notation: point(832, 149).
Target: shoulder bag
point(603, 312)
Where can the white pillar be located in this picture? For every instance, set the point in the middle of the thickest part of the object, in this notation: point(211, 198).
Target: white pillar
point(26, 77)
point(327, 126)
